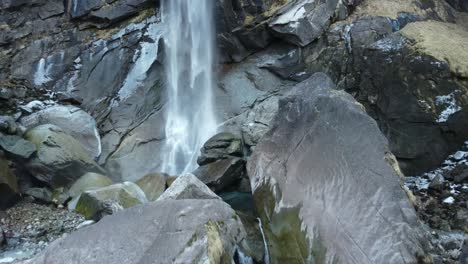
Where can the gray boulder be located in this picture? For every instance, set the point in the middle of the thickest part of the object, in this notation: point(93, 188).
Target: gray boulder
point(169, 231)
point(303, 21)
point(74, 121)
point(89, 181)
point(324, 187)
point(188, 186)
point(16, 146)
point(222, 175)
point(60, 158)
point(153, 185)
point(40, 194)
point(95, 204)
point(8, 125)
point(8, 184)
point(220, 146)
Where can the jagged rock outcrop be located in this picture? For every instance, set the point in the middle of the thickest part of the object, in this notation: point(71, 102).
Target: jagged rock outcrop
point(323, 181)
point(417, 94)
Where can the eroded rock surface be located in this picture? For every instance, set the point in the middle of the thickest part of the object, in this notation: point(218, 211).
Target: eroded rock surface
point(322, 181)
point(193, 231)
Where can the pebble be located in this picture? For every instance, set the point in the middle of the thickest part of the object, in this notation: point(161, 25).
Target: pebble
point(30, 227)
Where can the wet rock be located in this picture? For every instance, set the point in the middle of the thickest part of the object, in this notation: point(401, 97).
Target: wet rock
point(307, 176)
point(73, 121)
point(193, 231)
point(188, 186)
point(220, 146)
point(60, 159)
point(153, 185)
point(255, 246)
point(222, 175)
point(16, 146)
point(96, 204)
point(8, 184)
point(240, 201)
point(43, 195)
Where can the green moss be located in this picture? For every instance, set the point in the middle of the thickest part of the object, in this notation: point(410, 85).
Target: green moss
point(287, 242)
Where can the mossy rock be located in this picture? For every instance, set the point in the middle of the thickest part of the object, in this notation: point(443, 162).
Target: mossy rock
point(96, 204)
point(60, 158)
point(89, 181)
point(153, 185)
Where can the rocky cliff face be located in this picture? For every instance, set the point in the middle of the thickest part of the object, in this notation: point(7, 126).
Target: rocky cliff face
point(94, 71)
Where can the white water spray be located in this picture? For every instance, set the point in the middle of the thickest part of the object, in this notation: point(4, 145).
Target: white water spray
point(189, 60)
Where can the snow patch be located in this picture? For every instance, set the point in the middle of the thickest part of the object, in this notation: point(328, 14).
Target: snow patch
point(449, 101)
point(143, 58)
point(449, 200)
point(292, 15)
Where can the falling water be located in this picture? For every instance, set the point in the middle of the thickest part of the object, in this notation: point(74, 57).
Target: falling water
point(189, 60)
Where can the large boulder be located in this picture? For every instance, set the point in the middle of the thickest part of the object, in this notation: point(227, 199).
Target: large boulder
point(222, 175)
point(73, 121)
point(95, 204)
point(60, 158)
point(8, 184)
point(324, 185)
point(187, 186)
point(220, 146)
point(153, 185)
point(16, 146)
point(169, 231)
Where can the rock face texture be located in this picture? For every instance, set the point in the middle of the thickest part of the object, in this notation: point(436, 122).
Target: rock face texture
point(324, 186)
point(187, 186)
point(60, 158)
point(74, 121)
point(8, 184)
point(169, 231)
point(153, 185)
point(95, 204)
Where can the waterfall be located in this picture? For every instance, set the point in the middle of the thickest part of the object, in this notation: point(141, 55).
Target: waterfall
point(266, 258)
point(190, 119)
